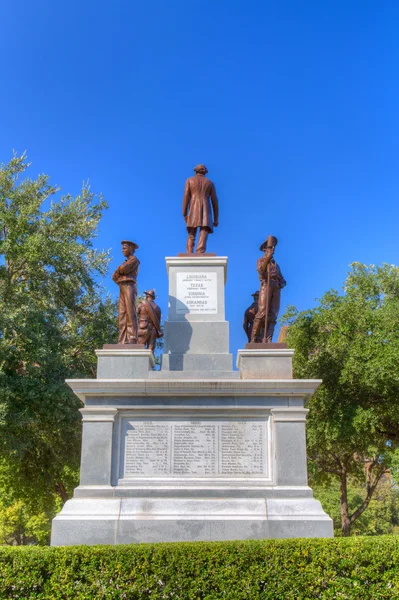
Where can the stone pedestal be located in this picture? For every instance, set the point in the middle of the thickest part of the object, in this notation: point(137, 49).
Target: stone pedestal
point(274, 363)
point(196, 331)
point(194, 452)
point(120, 363)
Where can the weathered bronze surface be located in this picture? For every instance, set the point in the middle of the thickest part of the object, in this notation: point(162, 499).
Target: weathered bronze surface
point(271, 283)
point(149, 321)
point(192, 255)
point(249, 317)
point(267, 346)
point(199, 201)
point(126, 277)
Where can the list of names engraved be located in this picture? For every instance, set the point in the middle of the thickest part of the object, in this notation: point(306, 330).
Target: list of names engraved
point(242, 448)
point(194, 448)
point(146, 448)
point(206, 448)
point(196, 293)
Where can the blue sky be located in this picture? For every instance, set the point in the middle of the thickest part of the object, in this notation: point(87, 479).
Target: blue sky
point(292, 105)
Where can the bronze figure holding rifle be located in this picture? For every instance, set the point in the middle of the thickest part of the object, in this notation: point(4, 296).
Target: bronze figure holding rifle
point(271, 282)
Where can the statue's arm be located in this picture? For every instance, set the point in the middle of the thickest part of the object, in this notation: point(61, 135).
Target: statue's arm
point(281, 279)
point(245, 323)
point(127, 266)
point(186, 198)
point(263, 261)
point(215, 205)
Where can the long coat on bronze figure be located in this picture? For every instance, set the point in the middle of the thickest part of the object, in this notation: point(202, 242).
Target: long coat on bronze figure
point(126, 277)
point(269, 293)
point(199, 201)
point(149, 320)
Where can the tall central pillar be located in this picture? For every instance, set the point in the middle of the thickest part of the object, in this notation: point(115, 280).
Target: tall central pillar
point(196, 330)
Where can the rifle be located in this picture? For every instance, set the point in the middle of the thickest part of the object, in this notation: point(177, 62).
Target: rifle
point(270, 243)
point(267, 302)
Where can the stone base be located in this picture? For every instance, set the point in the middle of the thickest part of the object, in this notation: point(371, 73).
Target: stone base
point(182, 337)
point(192, 363)
point(272, 363)
point(124, 363)
point(137, 520)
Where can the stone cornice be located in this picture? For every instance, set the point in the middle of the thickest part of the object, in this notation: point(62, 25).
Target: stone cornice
point(302, 388)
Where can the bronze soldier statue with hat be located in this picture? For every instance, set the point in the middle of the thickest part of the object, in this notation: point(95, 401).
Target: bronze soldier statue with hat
point(271, 283)
point(198, 202)
point(126, 278)
point(249, 317)
point(149, 321)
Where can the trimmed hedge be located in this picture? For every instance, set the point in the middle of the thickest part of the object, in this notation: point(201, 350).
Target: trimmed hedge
point(352, 568)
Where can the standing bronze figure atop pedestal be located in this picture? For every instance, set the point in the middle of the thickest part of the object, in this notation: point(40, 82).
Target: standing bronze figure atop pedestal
point(271, 282)
point(126, 277)
point(249, 317)
point(199, 194)
point(149, 319)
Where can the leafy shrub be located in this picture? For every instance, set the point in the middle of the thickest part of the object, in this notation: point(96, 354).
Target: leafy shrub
point(356, 568)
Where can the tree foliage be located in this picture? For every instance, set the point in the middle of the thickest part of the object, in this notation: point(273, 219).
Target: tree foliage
point(351, 341)
point(53, 317)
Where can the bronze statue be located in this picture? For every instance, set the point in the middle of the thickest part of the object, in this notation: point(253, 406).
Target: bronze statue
point(149, 319)
point(271, 282)
point(199, 193)
point(249, 317)
point(126, 277)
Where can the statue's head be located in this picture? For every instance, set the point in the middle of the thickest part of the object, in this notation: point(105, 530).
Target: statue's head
point(128, 248)
point(271, 242)
point(150, 294)
point(201, 170)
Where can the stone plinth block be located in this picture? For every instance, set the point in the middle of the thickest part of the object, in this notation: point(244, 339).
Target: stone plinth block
point(196, 332)
point(197, 362)
point(196, 288)
point(265, 364)
point(198, 338)
point(124, 364)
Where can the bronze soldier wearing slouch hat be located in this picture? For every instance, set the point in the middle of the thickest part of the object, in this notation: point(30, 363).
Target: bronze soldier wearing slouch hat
point(126, 277)
point(249, 317)
point(271, 282)
point(149, 319)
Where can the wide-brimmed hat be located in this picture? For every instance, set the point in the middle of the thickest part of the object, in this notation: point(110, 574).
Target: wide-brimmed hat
point(132, 244)
point(200, 168)
point(271, 242)
point(150, 293)
point(255, 294)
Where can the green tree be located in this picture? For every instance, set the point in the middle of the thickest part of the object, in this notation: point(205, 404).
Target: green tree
point(53, 317)
point(351, 341)
point(381, 516)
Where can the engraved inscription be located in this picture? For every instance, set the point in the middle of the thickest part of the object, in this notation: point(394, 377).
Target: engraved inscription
point(206, 448)
point(194, 448)
point(242, 448)
point(196, 293)
point(146, 449)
